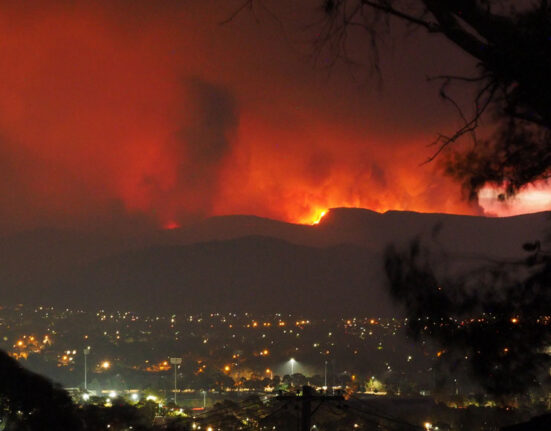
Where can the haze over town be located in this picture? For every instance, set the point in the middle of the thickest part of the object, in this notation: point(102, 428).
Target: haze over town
point(275, 215)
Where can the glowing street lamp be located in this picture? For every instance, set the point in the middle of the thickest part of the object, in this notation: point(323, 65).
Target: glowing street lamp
point(292, 361)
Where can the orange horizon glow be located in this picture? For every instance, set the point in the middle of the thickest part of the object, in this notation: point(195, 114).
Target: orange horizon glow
point(532, 200)
point(171, 225)
point(111, 119)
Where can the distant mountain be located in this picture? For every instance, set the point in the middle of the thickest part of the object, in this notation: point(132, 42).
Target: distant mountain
point(253, 273)
point(491, 237)
point(32, 261)
point(456, 234)
point(237, 226)
point(245, 263)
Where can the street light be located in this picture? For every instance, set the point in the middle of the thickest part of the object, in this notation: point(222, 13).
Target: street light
point(325, 378)
point(292, 361)
point(175, 362)
point(86, 352)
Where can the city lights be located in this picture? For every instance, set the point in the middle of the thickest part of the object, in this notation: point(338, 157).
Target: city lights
point(196, 193)
point(244, 355)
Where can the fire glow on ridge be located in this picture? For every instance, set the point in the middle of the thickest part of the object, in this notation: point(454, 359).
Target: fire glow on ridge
point(319, 217)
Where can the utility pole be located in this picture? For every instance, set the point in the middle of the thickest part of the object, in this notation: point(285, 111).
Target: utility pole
point(175, 362)
point(308, 396)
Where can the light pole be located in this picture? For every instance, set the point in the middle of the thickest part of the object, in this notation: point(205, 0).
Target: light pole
point(175, 362)
point(204, 400)
point(292, 361)
point(86, 352)
point(325, 377)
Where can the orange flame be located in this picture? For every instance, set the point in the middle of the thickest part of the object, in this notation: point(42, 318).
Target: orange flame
point(319, 216)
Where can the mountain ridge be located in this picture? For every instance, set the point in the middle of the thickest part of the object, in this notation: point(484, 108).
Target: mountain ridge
point(54, 267)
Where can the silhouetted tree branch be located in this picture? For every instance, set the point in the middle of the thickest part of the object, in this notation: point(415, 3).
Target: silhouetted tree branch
point(513, 53)
point(512, 49)
point(494, 321)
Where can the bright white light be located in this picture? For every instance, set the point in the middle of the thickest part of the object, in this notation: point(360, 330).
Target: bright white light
point(85, 397)
point(112, 394)
point(533, 198)
point(134, 397)
point(151, 398)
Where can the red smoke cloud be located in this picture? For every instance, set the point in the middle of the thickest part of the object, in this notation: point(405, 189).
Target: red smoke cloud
point(151, 112)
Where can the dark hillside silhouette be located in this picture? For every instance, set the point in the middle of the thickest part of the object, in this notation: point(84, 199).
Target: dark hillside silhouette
point(31, 402)
point(247, 263)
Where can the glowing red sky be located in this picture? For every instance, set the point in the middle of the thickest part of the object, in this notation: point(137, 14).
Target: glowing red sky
point(151, 112)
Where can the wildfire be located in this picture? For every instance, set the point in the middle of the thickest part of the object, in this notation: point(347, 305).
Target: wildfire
point(319, 216)
point(170, 225)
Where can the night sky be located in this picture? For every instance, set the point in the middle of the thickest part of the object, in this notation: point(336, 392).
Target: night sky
point(152, 114)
